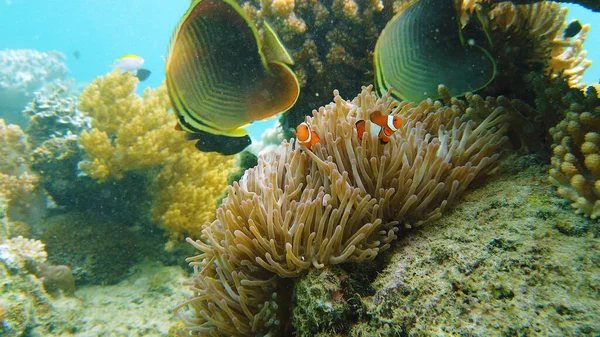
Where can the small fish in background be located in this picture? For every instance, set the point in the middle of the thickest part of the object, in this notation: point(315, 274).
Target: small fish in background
point(76, 54)
point(143, 74)
point(572, 29)
point(388, 125)
point(306, 136)
point(129, 63)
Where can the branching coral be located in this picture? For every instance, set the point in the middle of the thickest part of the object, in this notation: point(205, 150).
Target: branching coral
point(343, 201)
point(590, 4)
point(187, 189)
point(53, 115)
point(576, 156)
point(18, 252)
point(128, 132)
point(543, 25)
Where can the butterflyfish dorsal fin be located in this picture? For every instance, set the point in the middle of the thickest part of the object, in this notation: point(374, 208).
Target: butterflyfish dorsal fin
point(272, 48)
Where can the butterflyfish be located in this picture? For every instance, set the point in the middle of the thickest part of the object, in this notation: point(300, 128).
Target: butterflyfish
point(221, 76)
point(129, 63)
point(387, 125)
point(424, 46)
point(306, 136)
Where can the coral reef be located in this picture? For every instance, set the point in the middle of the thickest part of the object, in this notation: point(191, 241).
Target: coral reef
point(540, 27)
point(331, 43)
point(590, 4)
point(136, 134)
point(531, 51)
point(20, 197)
point(128, 132)
point(53, 114)
point(23, 72)
point(21, 253)
point(29, 310)
point(13, 150)
point(29, 256)
point(187, 188)
point(53, 135)
point(96, 248)
point(576, 154)
point(23, 294)
point(502, 253)
point(344, 201)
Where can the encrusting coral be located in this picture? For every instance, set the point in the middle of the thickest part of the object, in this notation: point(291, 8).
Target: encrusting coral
point(343, 201)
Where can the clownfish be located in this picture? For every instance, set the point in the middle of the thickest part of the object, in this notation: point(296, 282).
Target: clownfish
point(306, 136)
point(389, 124)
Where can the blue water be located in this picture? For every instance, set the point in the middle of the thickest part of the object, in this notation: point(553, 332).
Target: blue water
point(592, 44)
point(102, 30)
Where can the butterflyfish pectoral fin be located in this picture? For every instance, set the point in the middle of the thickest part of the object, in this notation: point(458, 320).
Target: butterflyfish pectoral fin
point(217, 75)
point(225, 145)
point(422, 47)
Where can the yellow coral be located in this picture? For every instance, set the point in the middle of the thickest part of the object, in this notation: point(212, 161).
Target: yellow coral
point(576, 158)
point(11, 187)
point(187, 190)
point(282, 7)
point(543, 24)
point(129, 132)
point(19, 193)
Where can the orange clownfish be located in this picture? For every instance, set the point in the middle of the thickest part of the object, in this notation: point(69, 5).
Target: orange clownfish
point(306, 136)
point(389, 124)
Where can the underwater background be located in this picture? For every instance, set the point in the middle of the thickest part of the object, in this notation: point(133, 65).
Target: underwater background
point(467, 215)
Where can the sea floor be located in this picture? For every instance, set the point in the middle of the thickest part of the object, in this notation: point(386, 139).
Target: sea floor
point(140, 305)
point(509, 259)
